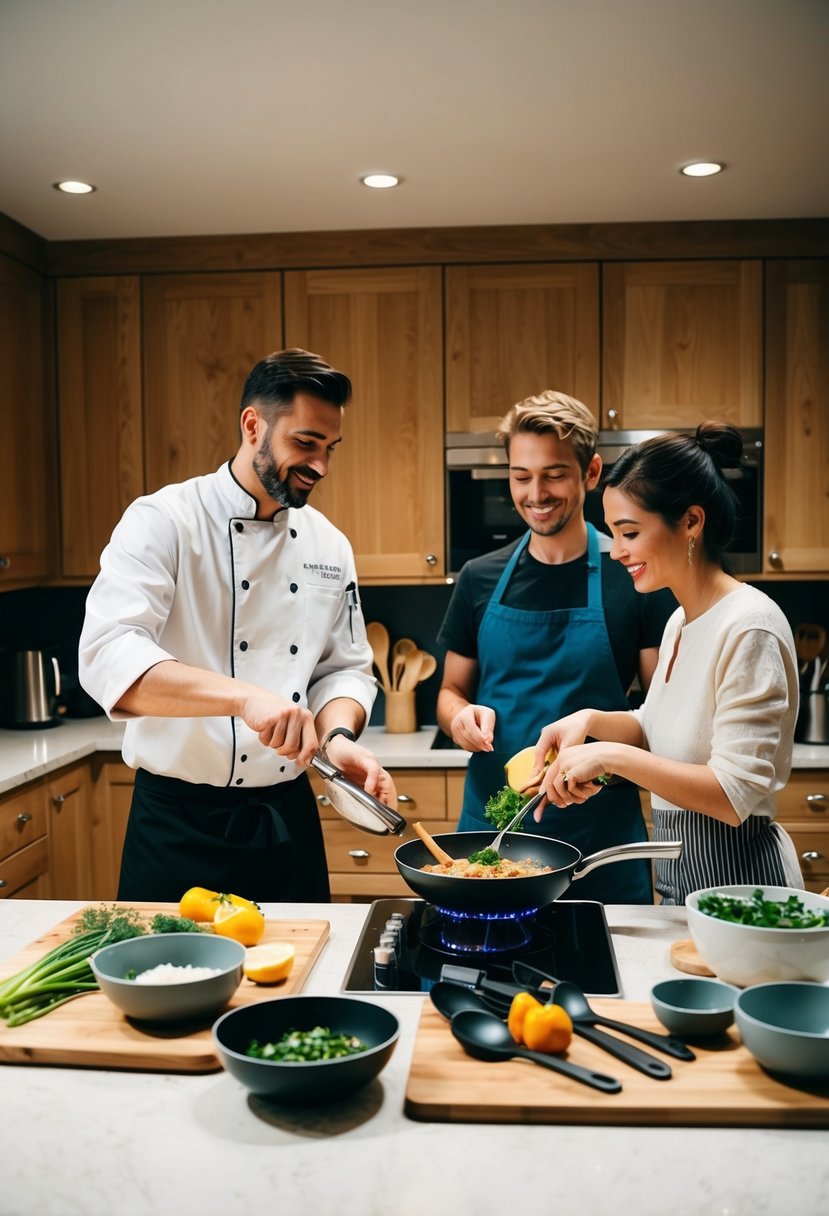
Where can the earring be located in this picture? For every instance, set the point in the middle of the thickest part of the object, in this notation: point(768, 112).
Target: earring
point(691, 543)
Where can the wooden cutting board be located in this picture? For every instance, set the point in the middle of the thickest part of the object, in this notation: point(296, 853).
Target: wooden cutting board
point(90, 1032)
point(724, 1086)
point(685, 957)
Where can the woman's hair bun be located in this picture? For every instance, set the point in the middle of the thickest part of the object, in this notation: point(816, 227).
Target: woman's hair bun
point(722, 442)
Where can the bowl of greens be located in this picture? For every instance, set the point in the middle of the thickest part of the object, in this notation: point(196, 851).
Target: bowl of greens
point(170, 977)
point(754, 935)
point(306, 1050)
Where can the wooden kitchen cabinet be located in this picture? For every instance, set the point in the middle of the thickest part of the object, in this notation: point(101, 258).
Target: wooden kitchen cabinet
point(100, 411)
point(361, 866)
point(112, 782)
point(24, 850)
point(796, 514)
point(25, 453)
point(682, 342)
point(513, 331)
point(803, 810)
point(385, 487)
point(202, 335)
point(68, 799)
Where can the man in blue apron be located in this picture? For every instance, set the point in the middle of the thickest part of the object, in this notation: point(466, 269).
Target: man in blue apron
point(543, 627)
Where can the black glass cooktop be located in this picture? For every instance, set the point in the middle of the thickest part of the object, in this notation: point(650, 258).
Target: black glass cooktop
point(405, 944)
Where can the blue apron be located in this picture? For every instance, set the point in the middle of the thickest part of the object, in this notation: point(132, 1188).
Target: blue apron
point(536, 667)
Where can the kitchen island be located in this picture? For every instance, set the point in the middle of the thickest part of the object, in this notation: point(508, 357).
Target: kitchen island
point(120, 1143)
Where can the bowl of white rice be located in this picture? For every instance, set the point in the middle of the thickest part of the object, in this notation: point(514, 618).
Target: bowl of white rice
point(170, 977)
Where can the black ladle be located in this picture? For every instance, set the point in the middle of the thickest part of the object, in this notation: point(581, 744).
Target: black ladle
point(486, 1037)
point(450, 999)
point(571, 998)
point(642, 1061)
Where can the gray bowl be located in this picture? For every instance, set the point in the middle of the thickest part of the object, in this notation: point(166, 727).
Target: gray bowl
point(316, 1082)
point(185, 1001)
point(785, 1026)
point(694, 1008)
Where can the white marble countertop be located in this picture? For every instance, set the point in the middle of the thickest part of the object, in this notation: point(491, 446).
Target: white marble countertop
point(27, 754)
point(110, 1143)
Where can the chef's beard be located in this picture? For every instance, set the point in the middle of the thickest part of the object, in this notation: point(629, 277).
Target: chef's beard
point(279, 488)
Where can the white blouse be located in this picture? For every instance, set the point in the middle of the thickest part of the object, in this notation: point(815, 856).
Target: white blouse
point(732, 698)
point(190, 574)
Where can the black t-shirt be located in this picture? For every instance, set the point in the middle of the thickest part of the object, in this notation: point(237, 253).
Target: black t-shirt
point(635, 621)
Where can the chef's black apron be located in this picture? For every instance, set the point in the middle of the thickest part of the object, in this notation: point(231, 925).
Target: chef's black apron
point(265, 844)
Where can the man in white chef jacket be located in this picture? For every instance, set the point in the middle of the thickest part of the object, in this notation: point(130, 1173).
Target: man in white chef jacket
point(225, 628)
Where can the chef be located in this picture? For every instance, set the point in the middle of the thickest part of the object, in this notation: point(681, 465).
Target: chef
point(225, 628)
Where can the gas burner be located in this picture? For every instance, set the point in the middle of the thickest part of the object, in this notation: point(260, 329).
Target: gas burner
point(477, 933)
point(405, 943)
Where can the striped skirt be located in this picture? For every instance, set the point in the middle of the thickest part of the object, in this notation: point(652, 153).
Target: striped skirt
point(759, 852)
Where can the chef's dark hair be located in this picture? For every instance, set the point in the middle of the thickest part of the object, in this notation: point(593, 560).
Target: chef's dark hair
point(670, 473)
point(276, 379)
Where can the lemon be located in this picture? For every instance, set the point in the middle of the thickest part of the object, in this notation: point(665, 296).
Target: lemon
point(270, 963)
point(245, 925)
point(521, 767)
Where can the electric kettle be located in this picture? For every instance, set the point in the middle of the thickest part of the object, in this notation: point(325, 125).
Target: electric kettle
point(29, 689)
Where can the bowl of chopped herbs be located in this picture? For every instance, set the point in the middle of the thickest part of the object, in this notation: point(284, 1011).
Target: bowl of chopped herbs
point(754, 935)
point(306, 1050)
point(170, 977)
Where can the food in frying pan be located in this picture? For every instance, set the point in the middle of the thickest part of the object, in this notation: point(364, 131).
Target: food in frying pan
point(478, 865)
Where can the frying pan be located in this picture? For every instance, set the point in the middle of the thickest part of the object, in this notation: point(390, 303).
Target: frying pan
point(512, 894)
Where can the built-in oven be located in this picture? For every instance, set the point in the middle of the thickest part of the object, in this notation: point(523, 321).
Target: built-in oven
point(480, 516)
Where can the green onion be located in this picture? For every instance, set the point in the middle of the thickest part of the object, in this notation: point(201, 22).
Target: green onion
point(305, 1046)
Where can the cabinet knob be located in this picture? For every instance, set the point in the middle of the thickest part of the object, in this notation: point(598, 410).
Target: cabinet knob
point(5, 562)
point(775, 559)
point(816, 802)
point(59, 799)
point(323, 800)
point(431, 559)
point(24, 817)
point(3, 883)
point(359, 854)
point(810, 855)
point(613, 419)
point(412, 802)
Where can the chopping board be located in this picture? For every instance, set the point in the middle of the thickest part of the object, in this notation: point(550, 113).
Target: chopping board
point(91, 1032)
point(685, 957)
point(723, 1087)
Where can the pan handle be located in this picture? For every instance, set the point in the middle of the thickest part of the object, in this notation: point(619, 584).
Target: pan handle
point(628, 852)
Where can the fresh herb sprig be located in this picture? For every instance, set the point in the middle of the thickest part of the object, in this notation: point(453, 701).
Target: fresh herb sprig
point(759, 911)
point(504, 806)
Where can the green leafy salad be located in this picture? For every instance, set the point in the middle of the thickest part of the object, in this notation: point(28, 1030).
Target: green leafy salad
point(764, 913)
point(305, 1046)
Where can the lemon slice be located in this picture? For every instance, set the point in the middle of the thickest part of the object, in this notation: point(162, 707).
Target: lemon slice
point(520, 767)
point(268, 964)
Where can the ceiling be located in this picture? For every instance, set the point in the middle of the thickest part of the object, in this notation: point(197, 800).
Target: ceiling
point(199, 117)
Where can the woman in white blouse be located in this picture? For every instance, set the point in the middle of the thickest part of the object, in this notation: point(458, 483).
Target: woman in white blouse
point(713, 739)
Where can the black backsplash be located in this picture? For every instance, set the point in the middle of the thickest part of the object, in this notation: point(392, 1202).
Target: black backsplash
point(51, 618)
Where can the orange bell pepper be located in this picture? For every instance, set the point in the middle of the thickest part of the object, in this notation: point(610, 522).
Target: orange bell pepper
point(522, 1002)
point(547, 1028)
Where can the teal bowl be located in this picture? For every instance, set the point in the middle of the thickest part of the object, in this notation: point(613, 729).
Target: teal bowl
point(694, 1008)
point(785, 1026)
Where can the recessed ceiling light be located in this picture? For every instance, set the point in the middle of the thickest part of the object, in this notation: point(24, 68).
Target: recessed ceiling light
point(380, 181)
point(75, 187)
point(702, 168)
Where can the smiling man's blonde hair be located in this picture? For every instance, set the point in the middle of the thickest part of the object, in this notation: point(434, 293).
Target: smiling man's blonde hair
point(553, 413)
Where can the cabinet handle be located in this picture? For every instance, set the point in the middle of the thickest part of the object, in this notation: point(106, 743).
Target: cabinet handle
point(5, 562)
point(24, 817)
point(412, 802)
point(323, 800)
point(774, 558)
point(59, 799)
point(810, 855)
point(431, 559)
point(3, 883)
point(613, 419)
point(816, 802)
point(359, 854)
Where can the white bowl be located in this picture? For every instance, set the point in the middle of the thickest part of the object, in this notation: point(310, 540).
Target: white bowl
point(749, 954)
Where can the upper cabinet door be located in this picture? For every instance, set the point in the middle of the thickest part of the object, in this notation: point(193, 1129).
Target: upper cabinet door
point(682, 342)
point(797, 417)
point(202, 335)
point(514, 331)
point(26, 432)
point(383, 328)
point(101, 439)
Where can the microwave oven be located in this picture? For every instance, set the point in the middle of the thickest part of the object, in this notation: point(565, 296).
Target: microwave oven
point(480, 515)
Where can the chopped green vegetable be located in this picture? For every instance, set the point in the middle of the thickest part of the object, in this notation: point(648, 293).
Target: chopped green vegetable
point(162, 922)
point(504, 806)
point(303, 1046)
point(132, 974)
point(64, 971)
point(765, 913)
point(485, 857)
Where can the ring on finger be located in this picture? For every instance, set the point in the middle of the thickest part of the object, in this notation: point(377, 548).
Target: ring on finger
point(564, 776)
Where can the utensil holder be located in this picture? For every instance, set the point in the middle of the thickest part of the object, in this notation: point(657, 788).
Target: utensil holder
point(401, 718)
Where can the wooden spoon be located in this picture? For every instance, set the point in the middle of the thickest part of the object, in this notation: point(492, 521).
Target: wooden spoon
point(432, 845)
point(378, 638)
point(411, 670)
point(428, 667)
point(400, 649)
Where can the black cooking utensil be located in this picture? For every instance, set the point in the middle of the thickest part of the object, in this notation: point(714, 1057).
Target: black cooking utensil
point(450, 999)
point(486, 1037)
point(578, 1007)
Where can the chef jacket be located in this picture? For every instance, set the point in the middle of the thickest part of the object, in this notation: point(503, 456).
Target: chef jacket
point(191, 574)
